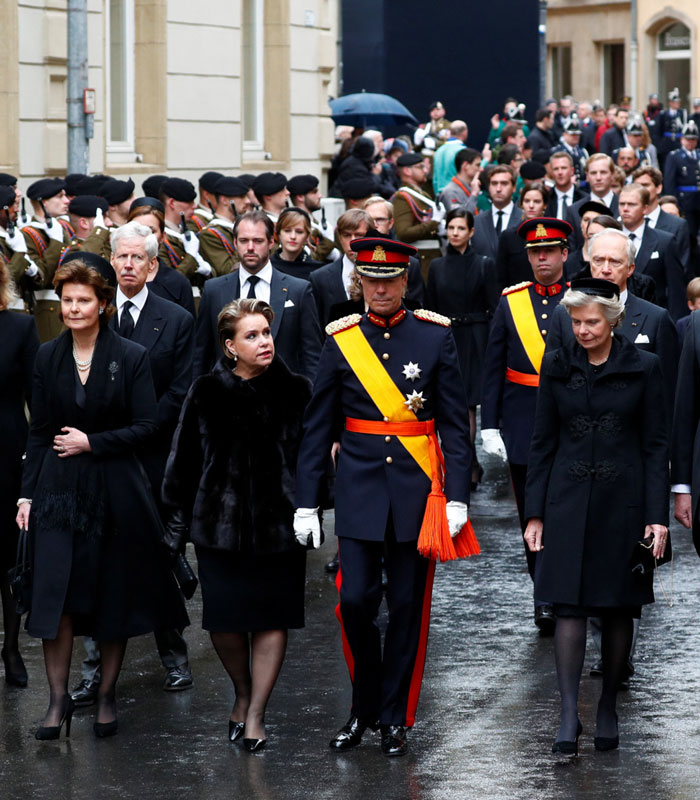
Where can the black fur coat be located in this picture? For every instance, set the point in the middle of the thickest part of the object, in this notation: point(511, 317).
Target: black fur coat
point(232, 464)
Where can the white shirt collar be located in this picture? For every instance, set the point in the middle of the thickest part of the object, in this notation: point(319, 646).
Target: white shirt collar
point(607, 200)
point(139, 299)
point(265, 274)
point(653, 216)
point(507, 211)
point(623, 296)
point(569, 193)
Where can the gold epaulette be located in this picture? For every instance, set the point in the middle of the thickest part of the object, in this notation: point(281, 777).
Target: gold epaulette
point(431, 316)
point(517, 287)
point(343, 324)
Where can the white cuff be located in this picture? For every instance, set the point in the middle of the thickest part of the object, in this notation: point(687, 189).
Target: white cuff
point(681, 488)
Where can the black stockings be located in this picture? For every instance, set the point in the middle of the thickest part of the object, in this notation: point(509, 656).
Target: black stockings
point(11, 621)
point(616, 643)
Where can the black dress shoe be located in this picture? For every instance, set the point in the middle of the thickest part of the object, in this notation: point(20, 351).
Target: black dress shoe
point(178, 679)
point(333, 565)
point(235, 730)
point(254, 745)
point(15, 671)
point(604, 743)
point(545, 620)
point(350, 735)
point(394, 740)
point(85, 693)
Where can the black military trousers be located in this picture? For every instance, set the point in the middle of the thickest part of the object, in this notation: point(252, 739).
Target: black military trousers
point(385, 685)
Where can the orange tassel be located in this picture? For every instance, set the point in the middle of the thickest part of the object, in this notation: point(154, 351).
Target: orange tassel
point(466, 543)
point(434, 540)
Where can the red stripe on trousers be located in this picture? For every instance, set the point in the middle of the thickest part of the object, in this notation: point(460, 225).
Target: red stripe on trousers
point(418, 667)
point(347, 652)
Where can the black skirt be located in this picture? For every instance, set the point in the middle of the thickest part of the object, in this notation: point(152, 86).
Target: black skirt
point(251, 592)
point(564, 610)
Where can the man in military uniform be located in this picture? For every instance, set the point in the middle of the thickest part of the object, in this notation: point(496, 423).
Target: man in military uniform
point(151, 186)
point(437, 130)
point(670, 127)
point(646, 156)
point(180, 248)
point(571, 143)
point(682, 178)
point(270, 189)
point(512, 363)
point(392, 377)
point(13, 247)
point(203, 214)
point(216, 240)
point(86, 215)
point(417, 217)
point(304, 193)
point(119, 195)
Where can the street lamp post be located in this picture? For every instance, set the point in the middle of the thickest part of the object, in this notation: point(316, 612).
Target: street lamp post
point(78, 122)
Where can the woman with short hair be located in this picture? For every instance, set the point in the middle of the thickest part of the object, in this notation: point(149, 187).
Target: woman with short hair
point(597, 486)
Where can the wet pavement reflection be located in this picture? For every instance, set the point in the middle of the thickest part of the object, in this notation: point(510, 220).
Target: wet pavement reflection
point(486, 721)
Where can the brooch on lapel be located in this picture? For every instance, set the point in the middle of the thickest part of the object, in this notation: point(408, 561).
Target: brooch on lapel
point(113, 368)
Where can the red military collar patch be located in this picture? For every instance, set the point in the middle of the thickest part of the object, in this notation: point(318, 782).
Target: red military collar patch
point(383, 322)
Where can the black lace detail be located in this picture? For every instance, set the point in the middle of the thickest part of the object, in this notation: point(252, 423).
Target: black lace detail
point(603, 471)
point(576, 381)
point(608, 425)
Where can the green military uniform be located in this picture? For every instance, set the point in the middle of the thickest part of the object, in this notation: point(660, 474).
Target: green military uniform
point(96, 242)
point(172, 251)
point(413, 224)
point(319, 246)
point(200, 218)
point(216, 246)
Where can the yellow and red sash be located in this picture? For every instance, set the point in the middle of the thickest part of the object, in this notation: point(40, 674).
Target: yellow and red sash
point(419, 439)
point(529, 333)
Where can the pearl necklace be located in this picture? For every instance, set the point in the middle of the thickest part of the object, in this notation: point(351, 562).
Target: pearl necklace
point(81, 365)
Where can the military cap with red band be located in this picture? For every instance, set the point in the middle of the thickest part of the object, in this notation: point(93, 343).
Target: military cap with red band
point(545, 231)
point(381, 258)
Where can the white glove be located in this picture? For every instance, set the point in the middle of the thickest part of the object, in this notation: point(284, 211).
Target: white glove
point(307, 528)
point(32, 270)
point(493, 443)
point(99, 219)
point(418, 136)
point(55, 231)
point(442, 229)
point(16, 242)
point(204, 268)
point(457, 516)
point(191, 244)
point(438, 212)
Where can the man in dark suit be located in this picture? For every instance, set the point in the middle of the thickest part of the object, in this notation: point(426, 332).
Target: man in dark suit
point(295, 329)
point(566, 193)
point(503, 214)
point(167, 332)
point(599, 176)
point(615, 138)
point(656, 253)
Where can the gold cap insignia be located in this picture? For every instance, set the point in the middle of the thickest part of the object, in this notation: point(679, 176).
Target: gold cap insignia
point(540, 231)
point(379, 254)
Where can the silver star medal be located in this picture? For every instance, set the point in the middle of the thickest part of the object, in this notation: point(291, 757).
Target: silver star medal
point(414, 400)
point(411, 371)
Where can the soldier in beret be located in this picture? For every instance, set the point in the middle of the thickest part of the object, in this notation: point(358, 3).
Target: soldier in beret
point(151, 186)
point(270, 189)
point(13, 247)
point(205, 212)
point(180, 247)
point(216, 240)
point(118, 195)
point(304, 193)
point(380, 501)
point(86, 214)
point(356, 191)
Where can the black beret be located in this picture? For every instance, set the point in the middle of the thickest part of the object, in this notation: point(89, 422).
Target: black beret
point(97, 263)
point(179, 189)
point(301, 184)
point(151, 186)
point(7, 180)
point(593, 205)
point(357, 188)
point(45, 188)
point(86, 205)
point(409, 160)
point(532, 170)
point(73, 181)
point(247, 178)
point(89, 184)
point(115, 191)
point(7, 196)
point(230, 187)
point(596, 287)
point(152, 202)
point(269, 183)
point(209, 180)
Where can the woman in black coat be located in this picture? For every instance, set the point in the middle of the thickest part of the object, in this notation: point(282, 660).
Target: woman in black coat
point(597, 485)
point(230, 483)
point(20, 342)
point(99, 567)
point(293, 229)
point(462, 286)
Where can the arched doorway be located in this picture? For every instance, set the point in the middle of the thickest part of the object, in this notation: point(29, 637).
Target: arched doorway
point(673, 61)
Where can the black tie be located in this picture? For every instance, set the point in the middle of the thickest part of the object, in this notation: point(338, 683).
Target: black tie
point(126, 323)
point(564, 206)
point(499, 223)
point(251, 286)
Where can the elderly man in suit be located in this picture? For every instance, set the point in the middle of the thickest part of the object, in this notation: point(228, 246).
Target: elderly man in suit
point(295, 328)
point(166, 330)
point(503, 214)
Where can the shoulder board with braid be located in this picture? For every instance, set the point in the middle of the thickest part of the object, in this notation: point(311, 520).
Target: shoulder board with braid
point(517, 287)
point(431, 316)
point(343, 324)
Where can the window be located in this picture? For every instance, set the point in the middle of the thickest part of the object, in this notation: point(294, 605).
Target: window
point(673, 61)
point(613, 77)
point(252, 46)
point(119, 69)
point(560, 64)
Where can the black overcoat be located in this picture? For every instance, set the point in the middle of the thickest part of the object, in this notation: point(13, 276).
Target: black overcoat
point(598, 473)
point(232, 466)
point(94, 524)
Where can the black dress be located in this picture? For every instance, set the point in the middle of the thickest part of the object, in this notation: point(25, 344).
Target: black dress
point(20, 342)
point(463, 287)
point(95, 529)
point(301, 267)
point(232, 474)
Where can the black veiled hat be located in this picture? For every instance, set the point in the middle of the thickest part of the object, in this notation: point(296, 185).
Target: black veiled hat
point(597, 287)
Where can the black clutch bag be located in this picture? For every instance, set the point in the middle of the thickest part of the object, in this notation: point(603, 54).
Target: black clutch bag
point(20, 576)
point(643, 560)
point(184, 575)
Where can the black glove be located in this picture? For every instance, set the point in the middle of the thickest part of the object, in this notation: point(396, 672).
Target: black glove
point(177, 532)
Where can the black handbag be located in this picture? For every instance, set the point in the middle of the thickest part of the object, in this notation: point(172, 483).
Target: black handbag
point(643, 560)
point(20, 576)
point(184, 575)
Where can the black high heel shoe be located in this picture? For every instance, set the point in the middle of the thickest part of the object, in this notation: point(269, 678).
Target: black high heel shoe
point(605, 743)
point(254, 745)
point(45, 733)
point(14, 677)
point(104, 729)
point(567, 748)
point(235, 730)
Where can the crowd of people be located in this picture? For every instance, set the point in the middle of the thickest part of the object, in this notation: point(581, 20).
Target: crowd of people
point(220, 365)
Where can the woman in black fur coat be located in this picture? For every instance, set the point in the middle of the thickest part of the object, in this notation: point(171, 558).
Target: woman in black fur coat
point(230, 482)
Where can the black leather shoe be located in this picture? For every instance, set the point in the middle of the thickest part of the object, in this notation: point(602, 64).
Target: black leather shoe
point(178, 679)
point(394, 740)
point(545, 620)
point(235, 730)
point(85, 693)
point(350, 735)
point(333, 565)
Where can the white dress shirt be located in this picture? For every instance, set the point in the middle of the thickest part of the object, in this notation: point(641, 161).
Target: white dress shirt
point(262, 287)
point(507, 211)
point(653, 217)
point(607, 200)
point(561, 196)
point(638, 233)
point(138, 301)
point(348, 272)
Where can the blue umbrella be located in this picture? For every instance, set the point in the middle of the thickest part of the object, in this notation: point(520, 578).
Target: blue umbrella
point(366, 109)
